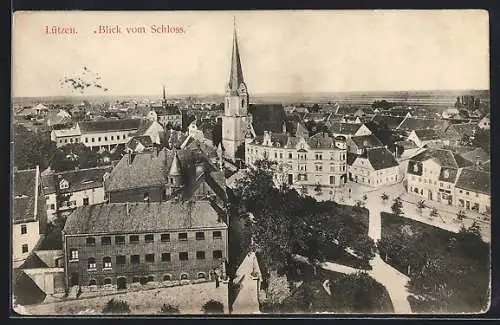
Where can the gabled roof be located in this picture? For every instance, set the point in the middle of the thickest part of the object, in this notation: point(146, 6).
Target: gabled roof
point(344, 128)
point(142, 217)
point(321, 141)
point(366, 141)
point(392, 122)
point(428, 134)
point(449, 162)
point(79, 180)
point(109, 125)
point(267, 117)
point(461, 129)
point(478, 153)
point(144, 140)
point(380, 158)
point(24, 196)
point(410, 123)
point(474, 180)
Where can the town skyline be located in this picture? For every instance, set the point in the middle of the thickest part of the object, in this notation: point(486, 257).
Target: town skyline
point(376, 60)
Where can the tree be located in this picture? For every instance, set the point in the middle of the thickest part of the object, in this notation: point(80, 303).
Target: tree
point(278, 290)
point(434, 212)
point(213, 307)
point(359, 293)
point(397, 206)
point(116, 306)
point(31, 149)
point(365, 197)
point(169, 309)
point(384, 197)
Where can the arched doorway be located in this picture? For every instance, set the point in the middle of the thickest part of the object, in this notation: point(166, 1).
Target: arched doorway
point(121, 283)
point(74, 279)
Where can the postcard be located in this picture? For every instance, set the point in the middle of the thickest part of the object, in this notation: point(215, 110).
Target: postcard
point(250, 162)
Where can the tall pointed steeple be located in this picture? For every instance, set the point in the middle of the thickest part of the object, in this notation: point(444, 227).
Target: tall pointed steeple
point(164, 98)
point(236, 75)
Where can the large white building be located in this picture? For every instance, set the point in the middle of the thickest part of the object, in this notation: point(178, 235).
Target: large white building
point(97, 134)
point(303, 161)
point(375, 168)
point(473, 190)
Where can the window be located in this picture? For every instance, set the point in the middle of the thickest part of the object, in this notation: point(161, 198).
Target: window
point(73, 253)
point(183, 256)
point(105, 138)
point(85, 201)
point(135, 259)
point(151, 278)
point(92, 282)
point(91, 265)
point(319, 156)
point(93, 139)
point(200, 235)
point(90, 241)
point(119, 240)
point(106, 241)
point(134, 239)
point(183, 236)
point(217, 254)
point(446, 173)
point(200, 255)
point(120, 259)
point(117, 137)
point(281, 155)
point(107, 281)
point(25, 249)
point(149, 238)
point(86, 140)
point(99, 139)
point(290, 155)
point(71, 140)
point(165, 237)
point(319, 168)
point(332, 179)
point(415, 168)
point(165, 257)
point(167, 277)
point(135, 279)
point(24, 229)
point(217, 235)
point(150, 258)
point(52, 206)
point(106, 261)
point(112, 137)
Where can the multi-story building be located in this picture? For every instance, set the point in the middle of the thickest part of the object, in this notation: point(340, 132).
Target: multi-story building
point(97, 134)
point(359, 144)
point(473, 190)
point(29, 217)
point(168, 115)
point(123, 243)
point(432, 174)
point(375, 167)
point(426, 137)
point(68, 190)
point(303, 160)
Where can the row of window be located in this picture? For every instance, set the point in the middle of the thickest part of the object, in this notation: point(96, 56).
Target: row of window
point(318, 156)
point(136, 259)
point(149, 238)
point(149, 278)
point(112, 137)
point(70, 140)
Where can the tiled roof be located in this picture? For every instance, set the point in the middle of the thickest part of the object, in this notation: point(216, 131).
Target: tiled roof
point(321, 141)
point(410, 124)
point(406, 144)
point(168, 110)
point(267, 117)
point(79, 180)
point(392, 122)
point(367, 141)
point(280, 138)
point(142, 217)
point(428, 134)
point(380, 158)
point(474, 180)
point(344, 128)
point(478, 153)
point(110, 125)
point(145, 140)
point(449, 162)
point(351, 157)
point(461, 129)
point(23, 204)
point(174, 138)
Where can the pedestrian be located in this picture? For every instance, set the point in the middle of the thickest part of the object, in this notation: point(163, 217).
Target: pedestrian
point(216, 281)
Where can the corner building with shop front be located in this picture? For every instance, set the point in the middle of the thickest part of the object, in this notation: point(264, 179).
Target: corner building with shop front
point(122, 243)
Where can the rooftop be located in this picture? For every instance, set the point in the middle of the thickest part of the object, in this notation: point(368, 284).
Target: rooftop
point(110, 125)
point(79, 180)
point(474, 180)
point(142, 217)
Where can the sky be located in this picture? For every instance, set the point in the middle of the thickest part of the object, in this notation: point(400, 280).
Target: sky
point(281, 51)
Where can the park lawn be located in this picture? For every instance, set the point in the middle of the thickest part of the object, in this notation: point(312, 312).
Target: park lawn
point(189, 299)
point(466, 277)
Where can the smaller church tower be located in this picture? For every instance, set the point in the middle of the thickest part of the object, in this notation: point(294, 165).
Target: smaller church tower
point(164, 99)
point(175, 174)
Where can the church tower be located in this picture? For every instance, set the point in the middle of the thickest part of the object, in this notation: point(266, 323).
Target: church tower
point(164, 99)
point(235, 118)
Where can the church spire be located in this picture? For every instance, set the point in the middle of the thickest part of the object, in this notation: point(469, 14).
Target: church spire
point(164, 99)
point(236, 76)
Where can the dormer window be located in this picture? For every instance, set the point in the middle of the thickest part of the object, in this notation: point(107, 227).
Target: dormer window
point(63, 184)
point(446, 173)
point(415, 168)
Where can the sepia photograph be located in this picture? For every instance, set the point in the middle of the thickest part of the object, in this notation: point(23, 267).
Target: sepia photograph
point(250, 163)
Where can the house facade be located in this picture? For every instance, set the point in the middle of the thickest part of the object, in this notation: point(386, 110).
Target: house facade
point(473, 191)
point(375, 168)
point(426, 137)
point(75, 188)
point(122, 243)
point(29, 217)
point(303, 160)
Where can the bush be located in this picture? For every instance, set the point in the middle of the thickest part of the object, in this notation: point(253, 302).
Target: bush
point(213, 307)
point(169, 309)
point(116, 306)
